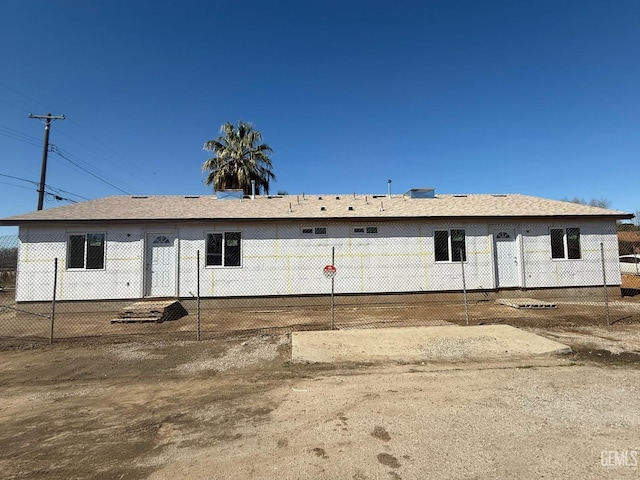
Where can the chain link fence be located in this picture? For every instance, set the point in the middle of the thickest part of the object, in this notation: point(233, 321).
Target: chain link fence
point(199, 284)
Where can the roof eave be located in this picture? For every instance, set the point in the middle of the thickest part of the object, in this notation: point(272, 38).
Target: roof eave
point(25, 222)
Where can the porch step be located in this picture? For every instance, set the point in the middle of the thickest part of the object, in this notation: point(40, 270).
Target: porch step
point(521, 303)
point(151, 311)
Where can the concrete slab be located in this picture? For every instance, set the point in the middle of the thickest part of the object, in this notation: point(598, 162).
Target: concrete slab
point(420, 344)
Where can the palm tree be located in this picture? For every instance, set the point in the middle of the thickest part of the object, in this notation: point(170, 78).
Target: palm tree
point(239, 156)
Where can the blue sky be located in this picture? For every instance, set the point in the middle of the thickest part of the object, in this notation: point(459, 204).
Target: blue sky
point(539, 98)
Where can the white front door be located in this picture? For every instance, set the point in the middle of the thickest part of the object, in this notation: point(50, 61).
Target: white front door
point(506, 255)
point(160, 274)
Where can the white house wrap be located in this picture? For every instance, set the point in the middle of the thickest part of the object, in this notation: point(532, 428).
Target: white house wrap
point(134, 247)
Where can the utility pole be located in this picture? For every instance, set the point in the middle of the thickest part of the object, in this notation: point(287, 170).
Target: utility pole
point(48, 118)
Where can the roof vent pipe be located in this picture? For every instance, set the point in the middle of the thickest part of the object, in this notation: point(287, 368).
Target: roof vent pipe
point(389, 188)
point(253, 189)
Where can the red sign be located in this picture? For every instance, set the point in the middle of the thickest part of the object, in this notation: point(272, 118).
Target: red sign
point(329, 271)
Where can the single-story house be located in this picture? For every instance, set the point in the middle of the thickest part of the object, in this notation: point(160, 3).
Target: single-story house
point(131, 247)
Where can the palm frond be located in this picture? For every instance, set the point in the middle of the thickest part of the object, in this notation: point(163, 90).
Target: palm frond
point(239, 156)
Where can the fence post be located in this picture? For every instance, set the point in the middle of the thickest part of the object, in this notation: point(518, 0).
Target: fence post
point(53, 302)
point(333, 262)
point(198, 295)
point(464, 289)
point(604, 283)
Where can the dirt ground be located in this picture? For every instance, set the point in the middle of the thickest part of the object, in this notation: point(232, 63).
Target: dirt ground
point(236, 408)
point(74, 321)
point(162, 406)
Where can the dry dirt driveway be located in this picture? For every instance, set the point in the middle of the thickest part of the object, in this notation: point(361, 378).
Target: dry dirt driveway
point(237, 409)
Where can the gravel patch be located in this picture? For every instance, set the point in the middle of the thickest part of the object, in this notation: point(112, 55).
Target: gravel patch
point(454, 347)
point(249, 352)
point(134, 351)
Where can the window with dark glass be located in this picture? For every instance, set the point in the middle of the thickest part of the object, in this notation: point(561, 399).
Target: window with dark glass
point(450, 245)
point(232, 249)
point(458, 246)
point(441, 245)
point(573, 243)
point(223, 249)
point(86, 251)
point(214, 249)
point(565, 243)
point(557, 243)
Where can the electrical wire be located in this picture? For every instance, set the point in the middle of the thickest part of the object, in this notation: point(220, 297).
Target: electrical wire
point(90, 167)
point(129, 166)
point(60, 190)
point(16, 135)
point(15, 185)
point(36, 142)
point(18, 178)
point(60, 154)
point(26, 96)
point(55, 191)
point(49, 195)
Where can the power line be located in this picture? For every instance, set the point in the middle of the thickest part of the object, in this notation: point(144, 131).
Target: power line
point(128, 165)
point(25, 96)
point(11, 105)
point(51, 187)
point(53, 194)
point(16, 135)
point(92, 168)
point(67, 192)
point(15, 185)
point(60, 154)
point(96, 138)
point(18, 178)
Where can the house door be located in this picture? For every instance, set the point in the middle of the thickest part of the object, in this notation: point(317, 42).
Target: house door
point(160, 265)
point(506, 255)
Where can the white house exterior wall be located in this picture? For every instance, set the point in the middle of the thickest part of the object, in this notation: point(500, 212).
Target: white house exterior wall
point(277, 260)
point(541, 271)
point(122, 276)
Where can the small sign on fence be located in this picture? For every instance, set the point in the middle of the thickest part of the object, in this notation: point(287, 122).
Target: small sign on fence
point(329, 271)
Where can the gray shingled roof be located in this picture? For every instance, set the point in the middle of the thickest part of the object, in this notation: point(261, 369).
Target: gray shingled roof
point(192, 208)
